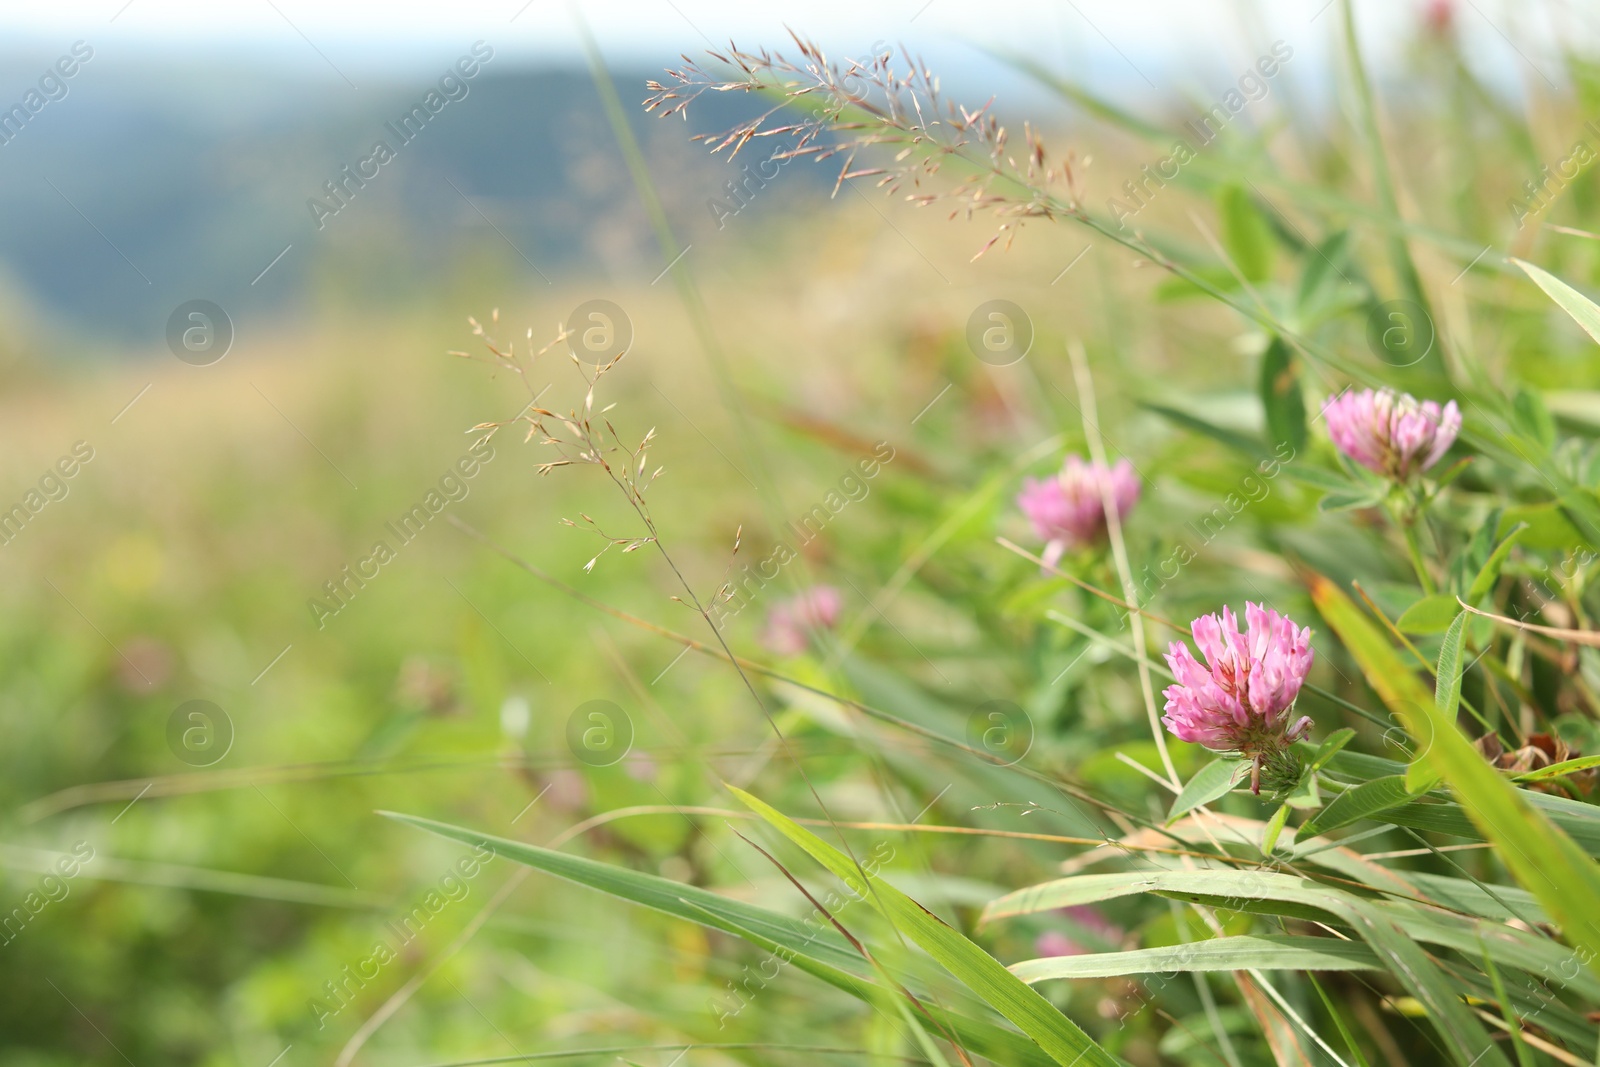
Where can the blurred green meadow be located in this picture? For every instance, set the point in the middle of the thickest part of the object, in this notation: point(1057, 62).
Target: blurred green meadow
point(234, 893)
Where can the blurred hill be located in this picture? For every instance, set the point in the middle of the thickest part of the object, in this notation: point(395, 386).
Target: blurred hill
point(146, 187)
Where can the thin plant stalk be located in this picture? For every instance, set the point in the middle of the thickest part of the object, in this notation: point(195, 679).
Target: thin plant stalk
point(1119, 552)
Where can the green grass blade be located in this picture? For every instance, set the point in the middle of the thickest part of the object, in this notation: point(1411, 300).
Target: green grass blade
point(1217, 954)
point(1560, 770)
point(1338, 1021)
point(1281, 397)
point(1524, 1059)
point(1359, 802)
point(821, 953)
point(1270, 893)
point(1421, 775)
point(1213, 780)
point(1059, 1036)
point(1430, 615)
point(1269, 837)
point(661, 894)
point(1502, 904)
point(1490, 571)
point(1584, 312)
point(1245, 235)
point(1097, 888)
point(1218, 167)
point(1391, 929)
point(1068, 893)
point(1457, 1027)
point(1538, 854)
point(1241, 443)
point(1399, 252)
point(1447, 688)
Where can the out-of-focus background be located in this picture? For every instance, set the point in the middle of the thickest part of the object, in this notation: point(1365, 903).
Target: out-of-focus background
point(177, 492)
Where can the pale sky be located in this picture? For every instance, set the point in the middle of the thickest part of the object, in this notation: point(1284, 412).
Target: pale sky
point(1135, 49)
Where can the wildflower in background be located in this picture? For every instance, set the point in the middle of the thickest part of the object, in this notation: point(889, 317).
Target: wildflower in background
point(1392, 434)
point(1068, 511)
point(640, 767)
point(1438, 16)
point(1056, 943)
point(790, 623)
point(1240, 701)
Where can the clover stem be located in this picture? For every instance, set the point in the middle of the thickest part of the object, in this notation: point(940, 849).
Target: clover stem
point(1406, 504)
point(1408, 526)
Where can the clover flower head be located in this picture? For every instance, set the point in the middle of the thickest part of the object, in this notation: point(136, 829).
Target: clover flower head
point(1240, 700)
point(1392, 434)
point(1068, 511)
point(790, 623)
